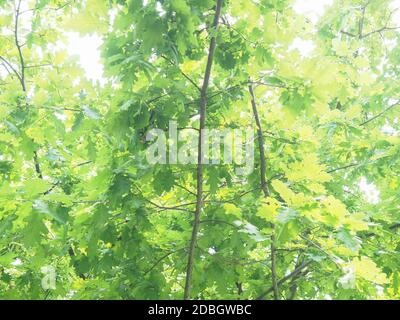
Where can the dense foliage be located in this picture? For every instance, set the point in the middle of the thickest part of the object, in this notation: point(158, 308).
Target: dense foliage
point(77, 193)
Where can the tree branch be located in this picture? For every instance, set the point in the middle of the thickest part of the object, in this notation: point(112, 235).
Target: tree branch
point(343, 168)
point(260, 83)
point(392, 227)
point(37, 166)
point(260, 138)
point(385, 28)
point(361, 22)
point(202, 111)
point(182, 73)
point(294, 273)
point(348, 33)
point(264, 187)
point(19, 48)
point(186, 189)
point(164, 208)
point(38, 65)
point(161, 259)
point(12, 68)
point(379, 31)
point(21, 77)
point(220, 222)
point(315, 245)
point(293, 284)
point(381, 113)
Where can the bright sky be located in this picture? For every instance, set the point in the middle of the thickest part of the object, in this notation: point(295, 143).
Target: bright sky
point(87, 49)
point(371, 193)
point(396, 15)
point(312, 9)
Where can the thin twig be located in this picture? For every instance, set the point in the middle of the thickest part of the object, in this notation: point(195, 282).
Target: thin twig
point(19, 48)
point(182, 73)
point(12, 68)
point(220, 222)
point(381, 113)
point(161, 259)
point(295, 272)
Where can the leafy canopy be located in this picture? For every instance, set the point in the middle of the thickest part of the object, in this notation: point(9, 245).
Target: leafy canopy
point(77, 193)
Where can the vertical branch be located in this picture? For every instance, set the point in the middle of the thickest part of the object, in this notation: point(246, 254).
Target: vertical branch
point(19, 47)
point(264, 187)
point(361, 21)
point(260, 139)
point(293, 284)
point(37, 165)
point(21, 76)
point(199, 195)
point(239, 287)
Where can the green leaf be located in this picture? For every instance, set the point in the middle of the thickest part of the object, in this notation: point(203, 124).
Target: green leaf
point(35, 187)
point(44, 208)
point(91, 113)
